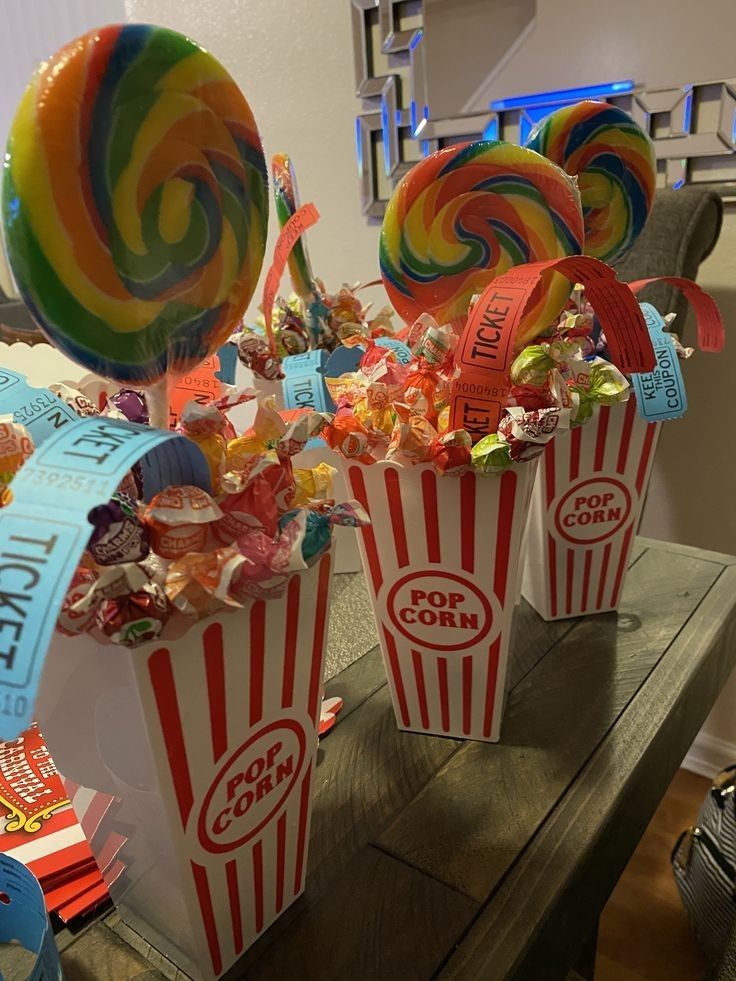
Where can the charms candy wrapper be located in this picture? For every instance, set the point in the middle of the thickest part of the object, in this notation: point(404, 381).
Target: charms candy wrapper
point(390, 411)
point(149, 568)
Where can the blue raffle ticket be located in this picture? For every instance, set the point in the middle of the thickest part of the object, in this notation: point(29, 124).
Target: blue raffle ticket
point(44, 531)
point(660, 394)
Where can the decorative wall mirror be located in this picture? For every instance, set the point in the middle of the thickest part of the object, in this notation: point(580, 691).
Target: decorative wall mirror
point(433, 72)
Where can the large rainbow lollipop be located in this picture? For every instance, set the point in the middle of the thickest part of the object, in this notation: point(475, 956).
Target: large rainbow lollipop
point(463, 216)
point(613, 160)
point(135, 202)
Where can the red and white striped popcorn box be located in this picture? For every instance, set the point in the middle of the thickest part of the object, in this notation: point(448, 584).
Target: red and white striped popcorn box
point(586, 507)
point(209, 743)
point(441, 557)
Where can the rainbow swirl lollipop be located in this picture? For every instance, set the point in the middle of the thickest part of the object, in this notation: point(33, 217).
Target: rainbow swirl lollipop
point(613, 160)
point(287, 203)
point(135, 202)
point(463, 216)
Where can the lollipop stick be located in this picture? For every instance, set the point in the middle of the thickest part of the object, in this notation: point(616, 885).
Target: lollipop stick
point(157, 400)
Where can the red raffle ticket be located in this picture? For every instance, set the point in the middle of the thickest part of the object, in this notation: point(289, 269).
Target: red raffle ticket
point(300, 221)
point(487, 347)
point(708, 320)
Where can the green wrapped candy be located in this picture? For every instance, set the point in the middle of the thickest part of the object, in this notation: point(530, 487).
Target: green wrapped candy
point(492, 454)
point(532, 366)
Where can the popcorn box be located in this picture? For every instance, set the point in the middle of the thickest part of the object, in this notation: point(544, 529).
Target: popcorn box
point(441, 559)
point(209, 742)
point(586, 507)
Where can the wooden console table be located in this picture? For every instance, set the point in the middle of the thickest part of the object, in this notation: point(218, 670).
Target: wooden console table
point(434, 857)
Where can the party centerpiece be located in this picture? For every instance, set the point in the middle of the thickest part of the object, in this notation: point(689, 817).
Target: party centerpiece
point(182, 578)
point(590, 489)
point(480, 248)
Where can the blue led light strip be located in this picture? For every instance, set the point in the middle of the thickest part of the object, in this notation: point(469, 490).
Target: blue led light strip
point(561, 96)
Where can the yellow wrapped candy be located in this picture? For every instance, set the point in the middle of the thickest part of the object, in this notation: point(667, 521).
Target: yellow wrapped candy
point(314, 484)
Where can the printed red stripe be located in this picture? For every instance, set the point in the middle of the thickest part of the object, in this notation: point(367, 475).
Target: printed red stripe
point(549, 471)
point(258, 883)
point(600, 440)
point(257, 657)
point(552, 565)
point(431, 517)
point(623, 450)
point(302, 830)
point(586, 579)
point(603, 575)
point(109, 851)
point(506, 502)
point(233, 893)
point(292, 626)
point(318, 645)
point(491, 686)
point(467, 520)
point(202, 888)
point(214, 663)
point(467, 693)
point(369, 539)
point(66, 893)
point(95, 814)
point(84, 903)
point(280, 860)
point(416, 659)
point(58, 865)
point(623, 559)
point(396, 511)
point(569, 575)
point(393, 660)
point(164, 692)
point(645, 454)
point(444, 694)
point(575, 439)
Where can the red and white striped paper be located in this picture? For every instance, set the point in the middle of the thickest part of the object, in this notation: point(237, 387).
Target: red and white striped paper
point(233, 709)
point(221, 809)
point(441, 559)
point(586, 507)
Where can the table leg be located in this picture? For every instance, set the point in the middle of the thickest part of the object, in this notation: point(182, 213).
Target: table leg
point(584, 967)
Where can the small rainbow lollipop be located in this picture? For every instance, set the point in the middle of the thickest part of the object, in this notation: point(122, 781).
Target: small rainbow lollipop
point(303, 281)
point(463, 216)
point(613, 160)
point(287, 203)
point(135, 202)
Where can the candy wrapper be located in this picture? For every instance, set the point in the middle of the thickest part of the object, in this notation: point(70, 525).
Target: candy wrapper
point(299, 324)
point(16, 446)
point(177, 521)
point(134, 618)
point(119, 534)
point(318, 526)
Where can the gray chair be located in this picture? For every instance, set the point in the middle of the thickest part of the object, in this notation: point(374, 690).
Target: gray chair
point(682, 231)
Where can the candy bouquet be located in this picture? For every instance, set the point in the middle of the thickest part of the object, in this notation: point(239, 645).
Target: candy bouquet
point(481, 246)
point(181, 578)
point(591, 488)
point(311, 319)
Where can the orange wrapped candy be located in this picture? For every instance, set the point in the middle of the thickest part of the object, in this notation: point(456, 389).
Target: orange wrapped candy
point(348, 434)
point(413, 437)
point(178, 520)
